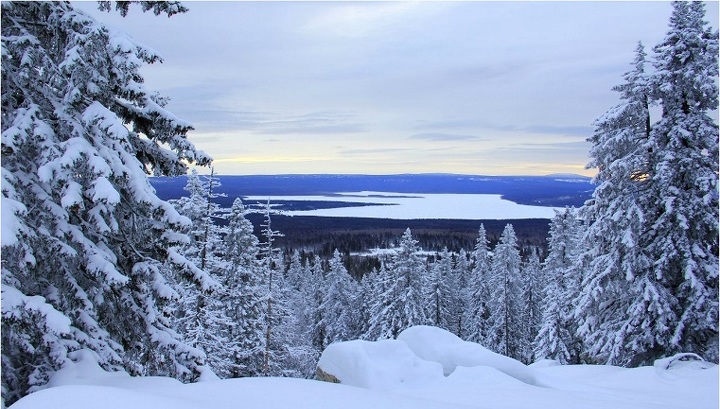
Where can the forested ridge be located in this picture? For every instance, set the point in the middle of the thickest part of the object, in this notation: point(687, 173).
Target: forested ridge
point(93, 260)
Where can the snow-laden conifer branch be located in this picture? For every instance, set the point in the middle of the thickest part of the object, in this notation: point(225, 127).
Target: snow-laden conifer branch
point(82, 227)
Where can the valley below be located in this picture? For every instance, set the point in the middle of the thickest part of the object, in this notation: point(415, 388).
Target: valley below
point(356, 213)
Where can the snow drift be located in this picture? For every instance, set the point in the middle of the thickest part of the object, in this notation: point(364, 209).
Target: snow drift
point(435, 364)
point(425, 368)
point(420, 354)
point(437, 345)
point(380, 365)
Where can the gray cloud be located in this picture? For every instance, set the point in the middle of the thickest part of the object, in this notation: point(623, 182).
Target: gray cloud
point(374, 151)
point(274, 123)
point(547, 146)
point(456, 123)
point(311, 123)
point(585, 131)
point(385, 77)
point(445, 137)
point(470, 123)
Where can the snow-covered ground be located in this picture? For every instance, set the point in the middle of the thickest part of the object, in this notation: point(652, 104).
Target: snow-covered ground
point(407, 206)
point(425, 368)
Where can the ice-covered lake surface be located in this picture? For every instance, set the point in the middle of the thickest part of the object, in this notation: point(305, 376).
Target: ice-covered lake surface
point(408, 206)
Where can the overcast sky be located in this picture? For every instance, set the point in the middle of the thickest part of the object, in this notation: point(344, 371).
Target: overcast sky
point(495, 88)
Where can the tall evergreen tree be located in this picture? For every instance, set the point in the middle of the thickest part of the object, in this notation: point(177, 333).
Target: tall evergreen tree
point(683, 231)
point(368, 298)
point(380, 284)
point(87, 246)
point(555, 338)
point(337, 305)
point(506, 308)
point(301, 285)
point(652, 268)
point(297, 275)
point(439, 296)
point(532, 296)
point(285, 349)
point(462, 293)
point(308, 298)
point(616, 254)
point(274, 309)
point(204, 320)
point(479, 299)
point(401, 304)
point(199, 207)
point(318, 330)
point(245, 300)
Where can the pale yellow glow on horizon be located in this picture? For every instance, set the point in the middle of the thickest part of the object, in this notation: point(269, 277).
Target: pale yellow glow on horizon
point(248, 165)
point(505, 154)
point(269, 159)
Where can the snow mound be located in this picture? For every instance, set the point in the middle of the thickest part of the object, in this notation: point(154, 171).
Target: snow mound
point(437, 345)
point(544, 363)
point(419, 355)
point(83, 369)
point(379, 365)
point(685, 360)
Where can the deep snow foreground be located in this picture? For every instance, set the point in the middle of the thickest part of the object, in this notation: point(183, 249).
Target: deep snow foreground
point(425, 368)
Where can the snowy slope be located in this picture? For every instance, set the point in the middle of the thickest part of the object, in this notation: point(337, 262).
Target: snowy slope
point(478, 379)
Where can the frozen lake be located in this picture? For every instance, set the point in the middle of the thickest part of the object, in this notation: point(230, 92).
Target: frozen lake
point(407, 206)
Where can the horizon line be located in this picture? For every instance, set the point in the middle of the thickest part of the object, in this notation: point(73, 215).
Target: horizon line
point(558, 174)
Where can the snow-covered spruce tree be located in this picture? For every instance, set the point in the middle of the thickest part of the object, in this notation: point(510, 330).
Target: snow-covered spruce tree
point(401, 304)
point(477, 314)
point(314, 312)
point(298, 283)
point(86, 243)
point(462, 292)
point(683, 186)
point(532, 296)
point(505, 327)
point(285, 350)
point(297, 274)
point(662, 259)
point(358, 311)
point(615, 255)
point(203, 319)
point(552, 340)
point(366, 300)
point(379, 284)
point(270, 262)
point(305, 292)
point(199, 207)
point(556, 337)
point(438, 298)
point(455, 302)
point(336, 307)
point(245, 294)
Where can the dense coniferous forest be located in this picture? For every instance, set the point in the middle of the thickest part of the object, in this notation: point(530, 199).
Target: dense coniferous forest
point(93, 260)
